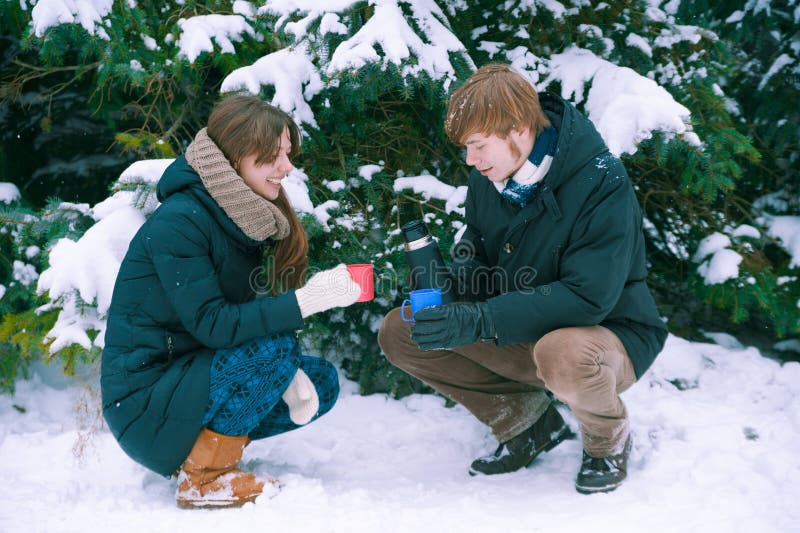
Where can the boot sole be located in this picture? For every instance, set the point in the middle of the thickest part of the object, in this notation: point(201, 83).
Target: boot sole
point(225, 504)
point(596, 490)
point(565, 434)
point(213, 504)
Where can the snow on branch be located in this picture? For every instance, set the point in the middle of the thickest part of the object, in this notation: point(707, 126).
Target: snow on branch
point(389, 31)
point(87, 13)
point(312, 10)
point(782, 61)
point(386, 37)
point(787, 230)
point(430, 187)
point(295, 78)
point(556, 8)
point(679, 33)
point(9, 192)
point(286, 8)
point(197, 34)
point(718, 262)
point(82, 273)
point(625, 107)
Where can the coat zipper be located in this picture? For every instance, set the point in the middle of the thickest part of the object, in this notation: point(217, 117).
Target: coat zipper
point(556, 261)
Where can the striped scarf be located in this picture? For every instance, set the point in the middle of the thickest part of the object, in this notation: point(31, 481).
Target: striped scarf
point(521, 187)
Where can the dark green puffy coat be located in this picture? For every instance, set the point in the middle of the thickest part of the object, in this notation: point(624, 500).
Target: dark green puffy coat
point(183, 290)
point(574, 255)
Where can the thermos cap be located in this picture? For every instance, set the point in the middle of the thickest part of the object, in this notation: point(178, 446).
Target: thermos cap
point(416, 235)
point(414, 230)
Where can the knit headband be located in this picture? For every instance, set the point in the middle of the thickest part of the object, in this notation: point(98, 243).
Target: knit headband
point(256, 216)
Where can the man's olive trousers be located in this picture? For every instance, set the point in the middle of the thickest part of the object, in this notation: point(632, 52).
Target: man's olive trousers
point(505, 388)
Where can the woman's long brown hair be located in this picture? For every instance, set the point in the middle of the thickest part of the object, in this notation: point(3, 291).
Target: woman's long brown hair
point(242, 125)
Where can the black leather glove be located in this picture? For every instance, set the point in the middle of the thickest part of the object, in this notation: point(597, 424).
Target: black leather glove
point(451, 325)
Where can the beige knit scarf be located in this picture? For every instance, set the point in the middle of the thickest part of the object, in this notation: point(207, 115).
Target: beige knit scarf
point(256, 216)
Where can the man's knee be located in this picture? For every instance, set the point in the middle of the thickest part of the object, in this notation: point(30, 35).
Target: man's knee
point(563, 358)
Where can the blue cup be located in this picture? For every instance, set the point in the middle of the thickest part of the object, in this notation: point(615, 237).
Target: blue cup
point(419, 299)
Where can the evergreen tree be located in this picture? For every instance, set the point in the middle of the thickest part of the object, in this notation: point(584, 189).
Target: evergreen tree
point(694, 96)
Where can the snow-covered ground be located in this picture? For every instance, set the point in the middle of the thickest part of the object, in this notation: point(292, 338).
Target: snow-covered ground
point(716, 426)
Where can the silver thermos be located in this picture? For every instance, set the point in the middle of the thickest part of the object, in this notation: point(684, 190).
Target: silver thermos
point(427, 267)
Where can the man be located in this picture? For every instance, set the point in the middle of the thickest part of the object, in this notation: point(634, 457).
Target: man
point(551, 274)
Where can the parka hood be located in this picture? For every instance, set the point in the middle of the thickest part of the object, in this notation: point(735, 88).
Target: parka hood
point(180, 177)
point(578, 140)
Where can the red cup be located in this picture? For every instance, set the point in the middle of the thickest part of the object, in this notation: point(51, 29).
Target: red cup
point(362, 274)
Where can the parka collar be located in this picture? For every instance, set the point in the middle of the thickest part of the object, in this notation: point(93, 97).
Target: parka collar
point(577, 145)
point(578, 141)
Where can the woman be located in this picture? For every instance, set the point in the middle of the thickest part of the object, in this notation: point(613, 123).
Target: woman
point(195, 366)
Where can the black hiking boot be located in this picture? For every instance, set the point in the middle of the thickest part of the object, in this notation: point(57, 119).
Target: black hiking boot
point(603, 474)
point(520, 451)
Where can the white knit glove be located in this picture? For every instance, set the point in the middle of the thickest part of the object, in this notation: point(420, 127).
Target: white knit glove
point(302, 399)
point(326, 290)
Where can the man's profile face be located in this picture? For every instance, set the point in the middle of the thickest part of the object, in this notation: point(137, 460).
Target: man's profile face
point(495, 157)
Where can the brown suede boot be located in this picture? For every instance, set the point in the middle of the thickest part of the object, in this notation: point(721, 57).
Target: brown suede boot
point(209, 476)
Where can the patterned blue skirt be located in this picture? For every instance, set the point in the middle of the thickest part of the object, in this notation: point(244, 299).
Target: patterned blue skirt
point(247, 382)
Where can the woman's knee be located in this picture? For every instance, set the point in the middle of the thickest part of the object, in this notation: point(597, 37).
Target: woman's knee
point(326, 381)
